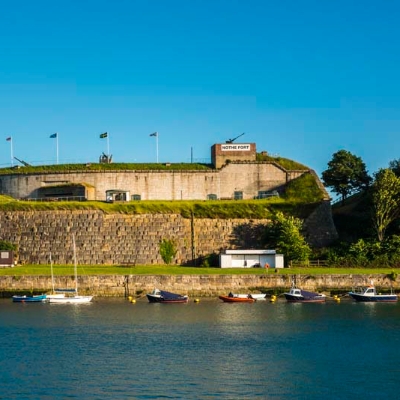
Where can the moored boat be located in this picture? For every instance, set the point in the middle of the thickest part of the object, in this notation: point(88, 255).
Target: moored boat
point(258, 296)
point(162, 296)
point(296, 295)
point(369, 294)
point(29, 299)
point(236, 298)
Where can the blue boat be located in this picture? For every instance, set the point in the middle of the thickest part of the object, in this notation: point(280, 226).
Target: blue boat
point(161, 296)
point(29, 299)
point(368, 294)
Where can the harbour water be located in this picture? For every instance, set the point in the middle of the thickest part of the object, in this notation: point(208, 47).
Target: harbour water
point(112, 349)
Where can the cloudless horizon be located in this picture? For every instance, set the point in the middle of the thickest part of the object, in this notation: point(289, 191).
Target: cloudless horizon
point(302, 80)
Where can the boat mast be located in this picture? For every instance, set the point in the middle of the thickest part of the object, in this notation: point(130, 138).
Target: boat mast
point(75, 266)
point(52, 275)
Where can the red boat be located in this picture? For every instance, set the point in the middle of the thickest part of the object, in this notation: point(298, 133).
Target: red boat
point(235, 298)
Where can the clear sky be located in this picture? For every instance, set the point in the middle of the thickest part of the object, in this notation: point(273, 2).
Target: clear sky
point(302, 79)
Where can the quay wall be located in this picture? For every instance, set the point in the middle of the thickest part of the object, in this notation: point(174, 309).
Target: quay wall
point(193, 285)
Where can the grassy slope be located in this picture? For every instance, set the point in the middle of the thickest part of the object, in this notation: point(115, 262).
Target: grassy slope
point(66, 270)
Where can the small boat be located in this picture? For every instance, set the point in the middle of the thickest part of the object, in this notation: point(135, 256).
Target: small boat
point(297, 295)
point(368, 294)
point(237, 298)
point(162, 296)
point(258, 296)
point(74, 297)
point(29, 299)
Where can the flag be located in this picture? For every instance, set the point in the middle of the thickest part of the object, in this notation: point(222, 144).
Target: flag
point(103, 135)
point(8, 139)
point(53, 136)
point(154, 134)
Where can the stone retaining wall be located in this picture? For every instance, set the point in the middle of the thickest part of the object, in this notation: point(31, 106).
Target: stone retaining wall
point(117, 239)
point(194, 285)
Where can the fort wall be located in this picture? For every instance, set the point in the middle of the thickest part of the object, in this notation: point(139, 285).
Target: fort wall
point(246, 177)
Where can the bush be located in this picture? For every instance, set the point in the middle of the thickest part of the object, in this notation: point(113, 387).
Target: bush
point(5, 245)
point(167, 250)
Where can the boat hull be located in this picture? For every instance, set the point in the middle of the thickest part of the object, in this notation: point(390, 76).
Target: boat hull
point(378, 298)
point(29, 299)
point(231, 299)
point(158, 299)
point(296, 299)
point(71, 300)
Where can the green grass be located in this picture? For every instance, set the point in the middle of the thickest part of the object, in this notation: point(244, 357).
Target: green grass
point(104, 167)
point(251, 209)
point(68, 270)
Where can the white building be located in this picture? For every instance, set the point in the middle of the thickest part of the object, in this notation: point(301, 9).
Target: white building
point(250, 259)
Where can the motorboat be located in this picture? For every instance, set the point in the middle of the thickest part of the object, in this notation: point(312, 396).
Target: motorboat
point(296, 295)
point(162, 296)
point(236, 298)
point(369, 294)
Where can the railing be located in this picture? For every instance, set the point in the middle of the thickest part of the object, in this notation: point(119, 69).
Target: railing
point(309, 263)
point(67, 198)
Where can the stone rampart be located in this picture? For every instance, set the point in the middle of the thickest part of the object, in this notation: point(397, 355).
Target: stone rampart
point(118, 239)
point(246, 177)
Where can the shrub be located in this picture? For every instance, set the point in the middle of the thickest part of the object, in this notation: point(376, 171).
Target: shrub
point(167, 250)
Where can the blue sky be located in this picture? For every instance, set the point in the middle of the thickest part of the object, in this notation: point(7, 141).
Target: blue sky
point(302, 79)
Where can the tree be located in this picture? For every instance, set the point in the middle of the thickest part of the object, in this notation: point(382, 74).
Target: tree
point(284, 233)
point(346, 174)
point(167, 250)
point(394, 165)
point(385, 200)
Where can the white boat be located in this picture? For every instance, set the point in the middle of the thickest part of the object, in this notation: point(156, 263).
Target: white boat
point(369, 294)
point(74, 298)
point(258, 296)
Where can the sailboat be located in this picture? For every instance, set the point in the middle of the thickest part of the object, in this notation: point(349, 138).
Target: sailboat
point(75, 298)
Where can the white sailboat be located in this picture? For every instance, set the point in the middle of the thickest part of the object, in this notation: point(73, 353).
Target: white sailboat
point(75, 298)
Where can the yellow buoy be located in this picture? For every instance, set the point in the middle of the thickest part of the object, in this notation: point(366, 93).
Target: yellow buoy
point(133, 301)
point(196, 300)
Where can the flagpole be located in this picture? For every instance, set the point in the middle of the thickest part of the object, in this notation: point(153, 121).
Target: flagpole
point(57, 145)
point(12, 155)
point(108, 147)
point(157, 146)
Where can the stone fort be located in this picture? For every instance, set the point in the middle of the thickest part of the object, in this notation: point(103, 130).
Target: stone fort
point(235, 175)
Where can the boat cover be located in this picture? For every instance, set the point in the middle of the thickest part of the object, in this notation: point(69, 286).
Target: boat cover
point(309, 295)
point(170, 296)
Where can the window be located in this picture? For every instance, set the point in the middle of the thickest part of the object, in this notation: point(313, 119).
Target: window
point(136, 197)
point(212, 196)
point(238, 196)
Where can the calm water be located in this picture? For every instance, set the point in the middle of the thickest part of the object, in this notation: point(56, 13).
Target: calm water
point(112, 349)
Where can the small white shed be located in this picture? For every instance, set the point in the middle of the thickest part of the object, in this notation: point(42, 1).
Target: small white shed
point(250, 259)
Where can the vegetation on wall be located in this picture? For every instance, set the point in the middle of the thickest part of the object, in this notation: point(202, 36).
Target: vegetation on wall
point(5, 245)
point(167, 250)
point(303, 189)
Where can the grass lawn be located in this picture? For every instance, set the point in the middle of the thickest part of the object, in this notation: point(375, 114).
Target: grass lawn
point(65, 270)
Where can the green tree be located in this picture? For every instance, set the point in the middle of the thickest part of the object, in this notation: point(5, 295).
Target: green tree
point(394, 165)
point(346, 174)
point(385, 200)
point(284, 234)
point(167, 250)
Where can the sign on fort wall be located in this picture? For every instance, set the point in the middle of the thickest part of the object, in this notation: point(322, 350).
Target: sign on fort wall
point(236, 147)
